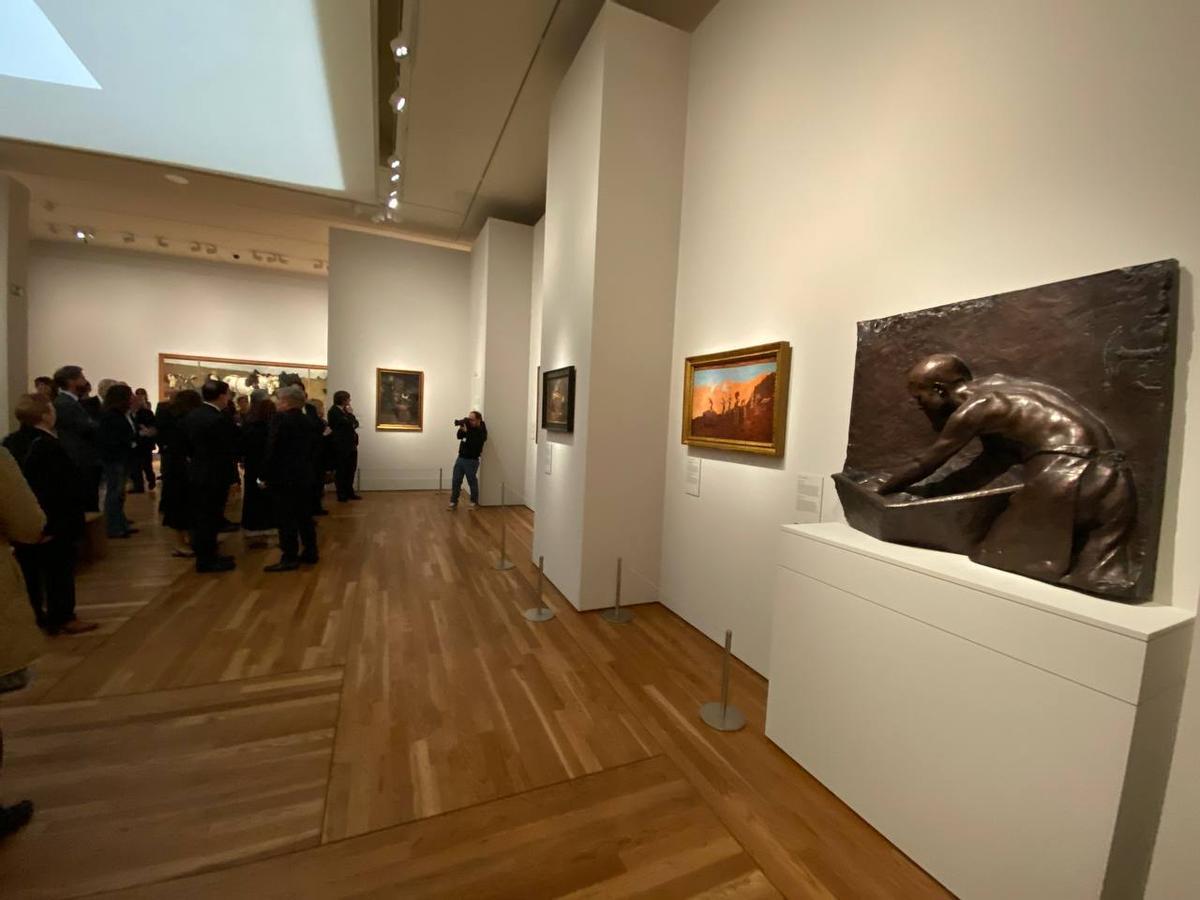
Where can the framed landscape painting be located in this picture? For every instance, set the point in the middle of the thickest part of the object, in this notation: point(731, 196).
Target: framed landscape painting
point(558, 399)
point(737, 400)
point(399, 400)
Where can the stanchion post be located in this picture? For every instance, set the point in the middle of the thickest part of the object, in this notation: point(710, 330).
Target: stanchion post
point(720, 715)
point(503, 564)
point(541, 612)
point(439, 481)
point(617, 615)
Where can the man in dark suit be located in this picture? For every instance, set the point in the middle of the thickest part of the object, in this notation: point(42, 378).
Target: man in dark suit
point(210, 440)
point(78, 432)
point(344, 433)
point(288, 470)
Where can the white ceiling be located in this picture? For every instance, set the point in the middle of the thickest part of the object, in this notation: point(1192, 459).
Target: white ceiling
point(483, 75)
point(278, 91)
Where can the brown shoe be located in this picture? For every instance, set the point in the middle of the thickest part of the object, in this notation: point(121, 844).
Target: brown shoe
point(75, 626)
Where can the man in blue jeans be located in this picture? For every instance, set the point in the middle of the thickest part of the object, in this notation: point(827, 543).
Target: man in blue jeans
point(472, 435)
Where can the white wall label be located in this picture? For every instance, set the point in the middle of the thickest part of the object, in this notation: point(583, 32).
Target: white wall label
point(548, 459)
point(809, 490)
point(692, 483)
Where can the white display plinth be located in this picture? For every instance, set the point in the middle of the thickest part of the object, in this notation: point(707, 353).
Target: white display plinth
point(1010, 736)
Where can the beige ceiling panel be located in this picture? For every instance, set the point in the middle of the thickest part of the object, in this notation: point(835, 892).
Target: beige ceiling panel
point(469, 59)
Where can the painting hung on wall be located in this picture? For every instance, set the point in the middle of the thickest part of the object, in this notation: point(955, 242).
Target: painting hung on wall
point(737, 400)
point(399, 400)
point(558, 399)
point(181, 372)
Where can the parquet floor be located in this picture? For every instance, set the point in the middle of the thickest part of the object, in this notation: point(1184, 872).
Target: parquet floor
point(388, 724)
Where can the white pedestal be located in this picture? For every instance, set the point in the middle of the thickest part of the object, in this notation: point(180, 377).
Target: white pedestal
point(1012, 737)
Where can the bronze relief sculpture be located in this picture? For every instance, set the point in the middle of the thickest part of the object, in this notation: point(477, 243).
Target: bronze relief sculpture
point(1050, 409)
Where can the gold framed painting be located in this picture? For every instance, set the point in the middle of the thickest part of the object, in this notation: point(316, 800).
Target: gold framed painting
point(737, 399)
point(399, 400)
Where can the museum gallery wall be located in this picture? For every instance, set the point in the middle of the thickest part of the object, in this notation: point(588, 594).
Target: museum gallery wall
point(918, 167)
point(115, 311)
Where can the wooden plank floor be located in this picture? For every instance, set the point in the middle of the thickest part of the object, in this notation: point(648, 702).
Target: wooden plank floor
point(388, 724)
point(636, 830)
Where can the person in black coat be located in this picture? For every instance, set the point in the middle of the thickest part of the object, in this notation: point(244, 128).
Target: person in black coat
point(118, 441)
point(343, 426)
point(258, 513)
point(210, 442)
point(49, 566)
point(174, 501)
point(141, 467)
point(78, 432)
point(288, 470)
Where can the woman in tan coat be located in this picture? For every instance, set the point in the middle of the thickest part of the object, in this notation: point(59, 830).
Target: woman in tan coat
point(21, 521)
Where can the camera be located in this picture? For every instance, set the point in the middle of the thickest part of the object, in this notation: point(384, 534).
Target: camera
point(461, 423)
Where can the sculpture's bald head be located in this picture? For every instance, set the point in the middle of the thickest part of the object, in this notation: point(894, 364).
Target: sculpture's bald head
point(932, 382)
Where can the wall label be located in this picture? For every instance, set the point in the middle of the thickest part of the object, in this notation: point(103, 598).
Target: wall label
point(809, 492)
point(692, 482)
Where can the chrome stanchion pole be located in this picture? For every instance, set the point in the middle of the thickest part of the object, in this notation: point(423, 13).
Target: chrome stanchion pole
point(439, 490)
point(503, 564)
point(720, 715)
point(616, 615)
point(541, 612)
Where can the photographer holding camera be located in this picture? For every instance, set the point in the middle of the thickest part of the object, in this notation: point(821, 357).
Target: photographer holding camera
point(472, 435)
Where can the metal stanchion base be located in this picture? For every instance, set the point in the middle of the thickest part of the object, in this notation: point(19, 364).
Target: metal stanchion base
point(728, 719)
point(618, 615)
point(539, 614)
point(503, 564)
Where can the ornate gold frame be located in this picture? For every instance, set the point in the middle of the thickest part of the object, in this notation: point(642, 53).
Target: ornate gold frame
point(782, 354)
point(420, 426)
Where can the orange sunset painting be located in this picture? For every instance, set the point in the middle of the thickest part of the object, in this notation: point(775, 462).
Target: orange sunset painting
point(734, 402)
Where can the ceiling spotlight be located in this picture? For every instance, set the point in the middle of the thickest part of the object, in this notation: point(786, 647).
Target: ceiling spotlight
point(283, 259)
point(128, 237)
point(395, 176)
point(81, 235)
point(256, 255)
point(397, 101)
point(161, 241)
point(316, 264)
point(393, 162)
point(399, 48)
point(393, 202)
point(195, 246)
point(175, 179)
point(211, 248)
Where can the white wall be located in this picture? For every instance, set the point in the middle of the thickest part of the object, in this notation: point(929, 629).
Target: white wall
point(611, 245)
point(396, 304)
point(535, 360)
point(568, 274)
point(113, 312)
point(504, 253)
point(14, 278)
point(846, 162)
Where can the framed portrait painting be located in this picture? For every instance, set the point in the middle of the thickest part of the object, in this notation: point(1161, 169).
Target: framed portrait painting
point(737, 400)
point(399, 400)
point(558, 399)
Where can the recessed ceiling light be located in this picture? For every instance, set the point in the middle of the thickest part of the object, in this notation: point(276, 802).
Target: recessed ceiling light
point(395, 177)
point(393, 162)
point(393, 202)
point(399, 48)
point(175, 179)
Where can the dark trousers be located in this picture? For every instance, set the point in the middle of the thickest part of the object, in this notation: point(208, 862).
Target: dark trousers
point(293, 512)
point(49, 571)
point(469, 469)
point(90, 478)
point(208, 515)
point(116, 474)
point(343, 475)
point(141, 468)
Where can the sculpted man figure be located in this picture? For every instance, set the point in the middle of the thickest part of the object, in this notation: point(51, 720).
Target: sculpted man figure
point(1071, 520)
